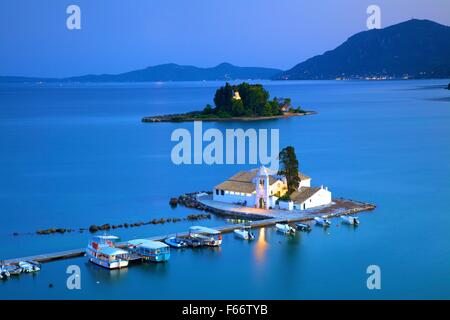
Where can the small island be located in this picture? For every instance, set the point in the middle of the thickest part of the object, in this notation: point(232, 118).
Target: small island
point(243, 102)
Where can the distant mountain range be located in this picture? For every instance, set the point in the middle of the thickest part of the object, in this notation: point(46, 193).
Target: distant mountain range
point(166, 72)
point(411, 49)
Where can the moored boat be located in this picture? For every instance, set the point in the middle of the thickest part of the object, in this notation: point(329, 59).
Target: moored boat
point(29, 266)
point(193, 242)
point(284, 228)
point(207, 236)
point(322, 221)
point(12, 269)
point(101, 251)
point(155, 251)
point(350, 220)
point(3, 273)
point(243, 233)
point(303, 226)
point(176, 242)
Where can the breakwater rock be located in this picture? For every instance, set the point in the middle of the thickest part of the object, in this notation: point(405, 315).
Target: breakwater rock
point(107, 226)
point(52, 230)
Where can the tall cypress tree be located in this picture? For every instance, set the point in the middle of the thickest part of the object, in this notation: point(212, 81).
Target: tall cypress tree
point(289, 168)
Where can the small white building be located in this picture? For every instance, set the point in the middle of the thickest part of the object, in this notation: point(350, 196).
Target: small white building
point(310, 197)
point(259, 188)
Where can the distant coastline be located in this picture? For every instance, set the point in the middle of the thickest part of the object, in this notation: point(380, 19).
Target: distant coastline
point(401, 51)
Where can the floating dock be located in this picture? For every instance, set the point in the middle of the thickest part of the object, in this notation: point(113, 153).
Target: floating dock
point(47, 257)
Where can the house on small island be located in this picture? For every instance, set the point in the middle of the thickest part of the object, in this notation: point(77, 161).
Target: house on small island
point(260, 188)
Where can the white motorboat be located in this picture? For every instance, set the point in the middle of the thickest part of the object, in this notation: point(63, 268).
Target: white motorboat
point(3, 272)
point(284, 228)
point(350, 220)
point(322, 221)
point(29, 266)
point(242, 233)
point(12, 269)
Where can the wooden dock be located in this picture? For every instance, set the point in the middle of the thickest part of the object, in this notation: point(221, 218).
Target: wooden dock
point(47, 257)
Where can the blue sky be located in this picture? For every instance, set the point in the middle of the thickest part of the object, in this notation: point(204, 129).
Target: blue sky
point(119, 35)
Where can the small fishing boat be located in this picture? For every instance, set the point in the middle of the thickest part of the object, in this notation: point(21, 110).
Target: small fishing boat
point(303, 227)
point(101, 251)
point(193, 242)
point(284, 228)
point(176, 242)
point(3, 272)
point(29, 266)
point(155, 251)
point(206, 236)
point(322, 222)
point(243, 233)
point(350, 220)
point(12, 269)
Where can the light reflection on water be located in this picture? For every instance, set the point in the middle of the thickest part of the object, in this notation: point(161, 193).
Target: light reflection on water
point(101, 273)
point(261, 246)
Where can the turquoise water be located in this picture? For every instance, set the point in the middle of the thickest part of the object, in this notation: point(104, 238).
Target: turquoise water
point(76, 155)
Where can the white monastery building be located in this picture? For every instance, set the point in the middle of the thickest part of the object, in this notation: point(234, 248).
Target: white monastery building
point(258, 188)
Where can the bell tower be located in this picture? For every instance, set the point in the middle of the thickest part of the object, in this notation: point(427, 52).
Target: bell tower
point(262, 188)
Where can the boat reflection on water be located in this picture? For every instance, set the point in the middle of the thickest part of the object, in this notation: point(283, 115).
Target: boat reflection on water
point(261, 246)
point(105, 274)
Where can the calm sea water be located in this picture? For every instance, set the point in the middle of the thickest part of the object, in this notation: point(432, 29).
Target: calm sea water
point(71, 156)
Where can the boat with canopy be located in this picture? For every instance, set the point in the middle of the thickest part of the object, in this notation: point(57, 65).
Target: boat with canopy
point(155, 251)
point(102, 251)
point(207, 236)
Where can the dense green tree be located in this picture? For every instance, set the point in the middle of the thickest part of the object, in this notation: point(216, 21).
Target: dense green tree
point(208, 109)
point(254, 101)
point(267, 110)
point(223, 98)
point(275, 106)
point(254, 97)
point(287, 101)
point(238, 109)
point(289, 168)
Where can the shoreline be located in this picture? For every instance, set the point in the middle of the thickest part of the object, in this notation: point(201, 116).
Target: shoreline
point(186, 118)
point(338, 207)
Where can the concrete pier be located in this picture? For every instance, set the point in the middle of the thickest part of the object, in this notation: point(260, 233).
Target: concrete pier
point(339, 208)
